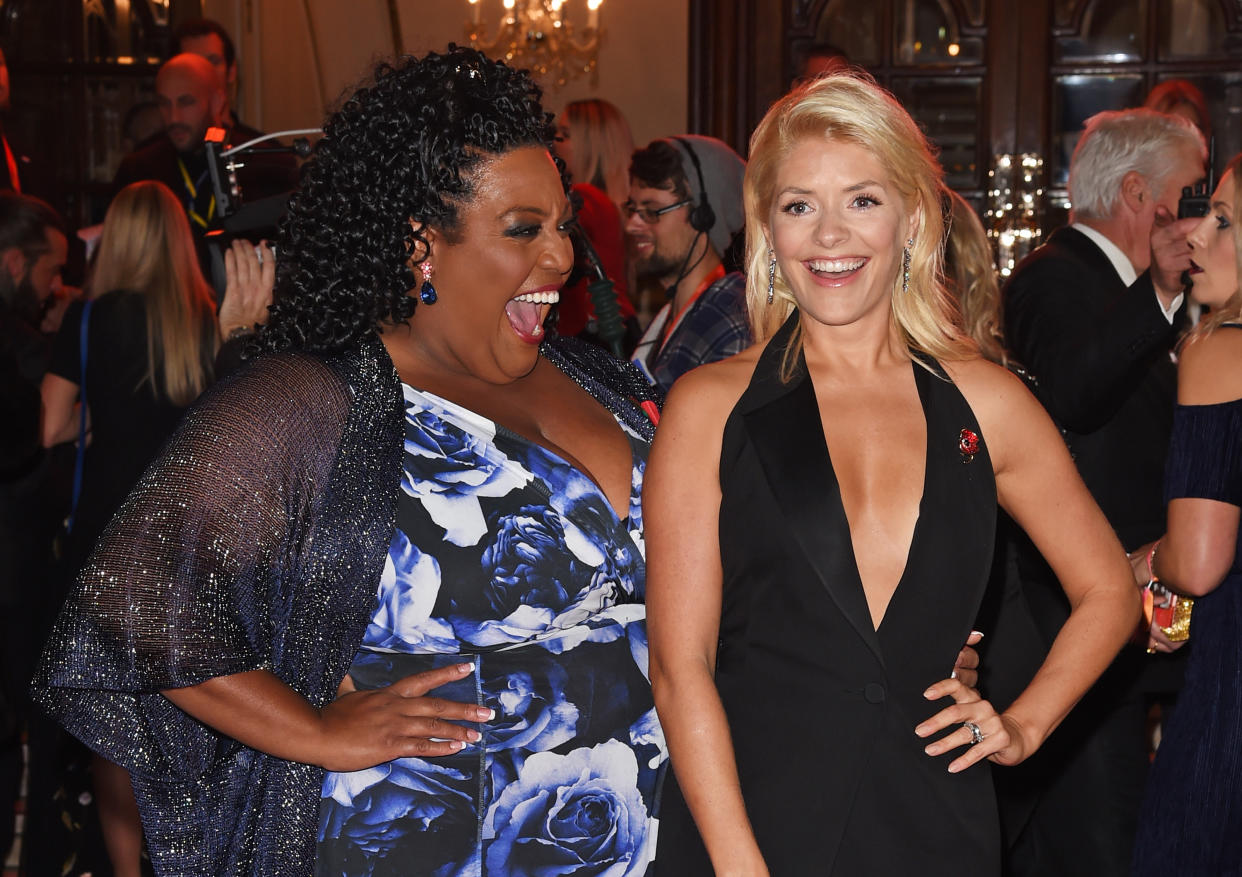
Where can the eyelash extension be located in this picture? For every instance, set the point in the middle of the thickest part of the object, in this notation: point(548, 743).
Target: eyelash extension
point(1222, 223)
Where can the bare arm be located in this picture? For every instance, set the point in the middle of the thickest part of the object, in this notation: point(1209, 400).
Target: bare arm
point(681, 505)
point(60, 410)
point(1198, 550)
point(1038, 485)
point(358, 730)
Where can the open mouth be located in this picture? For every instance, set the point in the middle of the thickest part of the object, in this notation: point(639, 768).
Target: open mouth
point(526, 313)
point(835, 269)
point(1194, 269)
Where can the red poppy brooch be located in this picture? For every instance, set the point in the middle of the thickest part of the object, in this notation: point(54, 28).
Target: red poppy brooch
point(968, 444)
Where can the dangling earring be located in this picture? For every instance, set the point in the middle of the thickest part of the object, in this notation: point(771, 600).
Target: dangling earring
point(427, 292)
point(771, 275)
point(905, 266)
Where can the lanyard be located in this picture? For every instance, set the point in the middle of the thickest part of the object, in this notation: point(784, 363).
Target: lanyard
point(12, 163)
point(671, 326)
point(192, 188)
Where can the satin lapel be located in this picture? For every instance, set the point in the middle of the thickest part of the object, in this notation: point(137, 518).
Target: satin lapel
point(788, 439)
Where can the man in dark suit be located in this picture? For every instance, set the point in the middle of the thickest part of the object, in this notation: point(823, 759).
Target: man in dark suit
point(1091, 314)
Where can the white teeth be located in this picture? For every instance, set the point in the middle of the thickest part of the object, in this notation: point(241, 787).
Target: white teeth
point(539, 298)
point(836, 266)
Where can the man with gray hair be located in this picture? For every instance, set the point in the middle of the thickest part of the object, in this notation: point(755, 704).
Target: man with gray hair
point(1091, 315)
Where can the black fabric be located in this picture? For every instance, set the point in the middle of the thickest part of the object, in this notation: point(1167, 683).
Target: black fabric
point(1192, 809)
point(1100, 352)
point(848, 790)
point(129, 419)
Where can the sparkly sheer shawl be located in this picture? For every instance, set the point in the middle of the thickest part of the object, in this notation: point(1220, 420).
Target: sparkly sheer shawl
point(255, 541)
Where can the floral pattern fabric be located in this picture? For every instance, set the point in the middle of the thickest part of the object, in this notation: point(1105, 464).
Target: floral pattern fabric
point(506, 555)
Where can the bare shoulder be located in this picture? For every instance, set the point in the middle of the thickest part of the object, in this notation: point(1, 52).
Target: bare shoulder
point(698, 405)
point(1010, 417)
point(710, 387)
point(992, 390)
point(1210, 368)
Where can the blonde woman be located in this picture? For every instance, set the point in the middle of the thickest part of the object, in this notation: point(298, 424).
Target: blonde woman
point(594, 141)
point(1191, 820)
point(970, 275)
point(820, 515)
point(151, 343)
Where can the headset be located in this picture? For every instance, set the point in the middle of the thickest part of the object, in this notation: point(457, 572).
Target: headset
point(702, 216)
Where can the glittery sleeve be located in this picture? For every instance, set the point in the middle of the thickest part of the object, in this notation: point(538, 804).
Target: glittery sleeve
point(189, 580)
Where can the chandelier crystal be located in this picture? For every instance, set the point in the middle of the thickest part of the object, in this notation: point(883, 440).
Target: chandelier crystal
point(536, 35)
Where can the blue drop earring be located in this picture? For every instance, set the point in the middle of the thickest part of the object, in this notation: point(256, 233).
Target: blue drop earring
point(427, 292)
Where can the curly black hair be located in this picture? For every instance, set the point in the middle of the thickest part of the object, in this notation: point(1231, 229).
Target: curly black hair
point(395, 159)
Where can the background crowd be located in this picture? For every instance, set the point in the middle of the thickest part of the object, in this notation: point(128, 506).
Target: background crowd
point(521, 465)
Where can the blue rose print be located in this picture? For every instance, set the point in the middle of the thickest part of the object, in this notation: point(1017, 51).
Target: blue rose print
point(448, 469)
point(408, 588)
point(531, 709)
point(577, 814)
point(401, 810)
point(532, 576)
point(506, 556)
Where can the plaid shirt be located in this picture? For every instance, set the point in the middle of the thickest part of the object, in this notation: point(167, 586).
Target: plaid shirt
point(714, 328)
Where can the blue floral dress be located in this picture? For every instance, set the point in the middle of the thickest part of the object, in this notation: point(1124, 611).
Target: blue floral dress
point(506, 555)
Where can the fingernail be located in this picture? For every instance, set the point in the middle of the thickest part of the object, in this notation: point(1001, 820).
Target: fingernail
point(456, 744)
point(920, 731)
point(474, 736)
point(929, 694)
point(953, 674)
point(465, 668)
point(486, 714)
point(953, 768)
point(977, 633)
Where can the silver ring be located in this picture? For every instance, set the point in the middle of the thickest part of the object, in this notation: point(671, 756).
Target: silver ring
point(976, 736)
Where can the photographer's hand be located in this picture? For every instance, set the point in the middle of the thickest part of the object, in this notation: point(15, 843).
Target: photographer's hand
point(250, 275)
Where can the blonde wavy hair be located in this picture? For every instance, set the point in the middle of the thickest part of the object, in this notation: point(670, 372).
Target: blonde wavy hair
point(602, 146)
point(970, 274)
point(1231, 310)
point(146, 247)
point(850, 107)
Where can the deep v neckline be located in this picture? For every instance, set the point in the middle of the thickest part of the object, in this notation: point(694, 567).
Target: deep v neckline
point(477, 425)
point(921, 376)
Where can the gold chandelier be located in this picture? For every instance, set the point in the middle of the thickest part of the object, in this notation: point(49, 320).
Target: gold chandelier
point(535, 34)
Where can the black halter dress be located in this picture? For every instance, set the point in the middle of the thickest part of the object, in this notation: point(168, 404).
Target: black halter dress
point(822, 705)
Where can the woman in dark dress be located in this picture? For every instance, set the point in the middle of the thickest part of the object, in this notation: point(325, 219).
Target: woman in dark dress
point(821, 512)
point(1191, 821)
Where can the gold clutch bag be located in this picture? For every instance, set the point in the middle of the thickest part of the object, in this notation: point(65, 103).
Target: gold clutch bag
point(1174, 617)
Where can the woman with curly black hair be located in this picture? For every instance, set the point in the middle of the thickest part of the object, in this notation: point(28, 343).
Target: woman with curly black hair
point(378, 607)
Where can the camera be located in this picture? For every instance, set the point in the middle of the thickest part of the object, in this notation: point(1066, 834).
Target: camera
point(1196, 200)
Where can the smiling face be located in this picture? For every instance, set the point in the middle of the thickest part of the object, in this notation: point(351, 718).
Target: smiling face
point(659, 248)
point(1214, 264)
point(500, 273)
point(838, 226)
